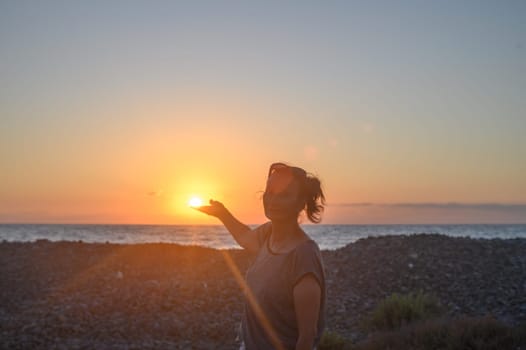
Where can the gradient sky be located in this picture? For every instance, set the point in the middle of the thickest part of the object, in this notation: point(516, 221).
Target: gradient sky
point(119, 111)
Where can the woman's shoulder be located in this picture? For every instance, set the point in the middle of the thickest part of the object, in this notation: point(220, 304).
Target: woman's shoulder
point(264, 227)
point(308, 245)
point(263, 231)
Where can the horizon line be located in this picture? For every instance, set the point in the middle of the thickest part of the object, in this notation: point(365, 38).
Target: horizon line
point(257, 224)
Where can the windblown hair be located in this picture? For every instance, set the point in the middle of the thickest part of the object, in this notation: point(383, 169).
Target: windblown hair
point(314, 198)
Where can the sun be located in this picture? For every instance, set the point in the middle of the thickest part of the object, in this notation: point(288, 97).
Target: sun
point(195, 202)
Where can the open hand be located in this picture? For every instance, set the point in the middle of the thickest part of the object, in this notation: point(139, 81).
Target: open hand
point(215, 208)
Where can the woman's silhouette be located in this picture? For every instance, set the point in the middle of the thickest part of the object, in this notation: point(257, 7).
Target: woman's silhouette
point(285, 285)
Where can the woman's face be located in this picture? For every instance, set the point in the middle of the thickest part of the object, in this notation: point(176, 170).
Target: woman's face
point(281, 198)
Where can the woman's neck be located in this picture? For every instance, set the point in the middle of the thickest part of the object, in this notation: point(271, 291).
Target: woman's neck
point(283, 230)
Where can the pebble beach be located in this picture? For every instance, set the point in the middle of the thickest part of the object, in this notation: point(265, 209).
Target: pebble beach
point(75, 295)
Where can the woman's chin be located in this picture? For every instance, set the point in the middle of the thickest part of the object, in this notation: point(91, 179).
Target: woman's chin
point(279, 216)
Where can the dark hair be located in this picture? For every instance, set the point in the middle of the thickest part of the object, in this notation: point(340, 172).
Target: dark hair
point(314, 198)
point(310, 189)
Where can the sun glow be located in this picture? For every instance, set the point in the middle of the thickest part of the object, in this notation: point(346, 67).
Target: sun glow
point(195, 202)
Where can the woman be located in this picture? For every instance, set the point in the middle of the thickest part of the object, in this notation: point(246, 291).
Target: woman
point(285, 285)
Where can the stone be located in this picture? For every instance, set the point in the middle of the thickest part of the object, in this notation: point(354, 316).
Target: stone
point(75, 292)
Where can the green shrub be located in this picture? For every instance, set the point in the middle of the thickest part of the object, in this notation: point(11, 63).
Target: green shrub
point(398, 310)
point(483, 333)
point(333, 341)
point(425, 335)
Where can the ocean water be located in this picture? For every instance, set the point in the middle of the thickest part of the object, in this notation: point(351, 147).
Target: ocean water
point(327, 236)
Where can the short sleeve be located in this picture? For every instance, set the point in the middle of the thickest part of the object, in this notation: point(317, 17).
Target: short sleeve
point(308, 260)
point(262, 232)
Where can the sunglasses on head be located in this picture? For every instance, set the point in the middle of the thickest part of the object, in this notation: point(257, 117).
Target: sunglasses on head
point(298, 172)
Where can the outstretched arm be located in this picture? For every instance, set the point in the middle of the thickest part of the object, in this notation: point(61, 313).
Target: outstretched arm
point(243, 235)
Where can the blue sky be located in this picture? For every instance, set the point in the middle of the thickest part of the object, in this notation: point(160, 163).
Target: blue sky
point(390, 101)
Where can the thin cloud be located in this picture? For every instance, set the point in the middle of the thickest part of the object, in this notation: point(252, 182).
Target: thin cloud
point(431, 212)
point(446, 205)
point(357, 204)
point(156, 193)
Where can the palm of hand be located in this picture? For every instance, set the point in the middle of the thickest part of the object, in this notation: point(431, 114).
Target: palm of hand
point(214, 209)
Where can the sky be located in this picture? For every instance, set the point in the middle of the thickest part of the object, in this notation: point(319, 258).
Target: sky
point(120, 111)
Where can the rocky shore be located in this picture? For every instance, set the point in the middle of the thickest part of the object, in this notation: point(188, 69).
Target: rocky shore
point(74, 295)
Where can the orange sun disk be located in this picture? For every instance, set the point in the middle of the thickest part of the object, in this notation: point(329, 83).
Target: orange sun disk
point(195, 202)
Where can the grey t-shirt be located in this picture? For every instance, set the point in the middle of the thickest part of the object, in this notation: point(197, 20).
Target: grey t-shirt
point(271, 280)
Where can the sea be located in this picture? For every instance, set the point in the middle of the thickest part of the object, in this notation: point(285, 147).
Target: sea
point(328, 237)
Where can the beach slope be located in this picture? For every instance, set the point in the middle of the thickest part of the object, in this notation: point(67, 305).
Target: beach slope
point(166, 296)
